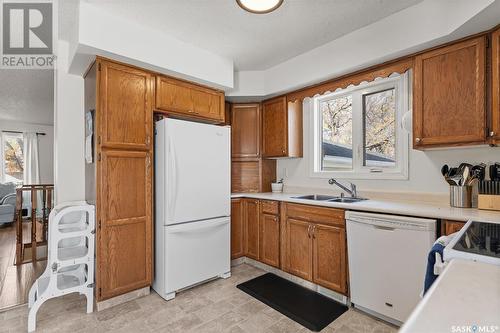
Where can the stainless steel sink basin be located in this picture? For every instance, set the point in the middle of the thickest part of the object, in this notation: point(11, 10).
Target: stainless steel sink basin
point(346, 200)
point(317, 197)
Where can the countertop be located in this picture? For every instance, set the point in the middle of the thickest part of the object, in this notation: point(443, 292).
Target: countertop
point(413, 208)
point(465, 298)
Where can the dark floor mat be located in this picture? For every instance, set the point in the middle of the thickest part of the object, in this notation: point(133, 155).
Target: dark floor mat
point(306, 307)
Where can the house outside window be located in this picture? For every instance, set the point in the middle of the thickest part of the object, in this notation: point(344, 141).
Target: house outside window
point(12, 157)
point(358, 131)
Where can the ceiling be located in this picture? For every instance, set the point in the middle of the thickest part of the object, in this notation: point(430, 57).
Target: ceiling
point(255, 42)
point(27, 95)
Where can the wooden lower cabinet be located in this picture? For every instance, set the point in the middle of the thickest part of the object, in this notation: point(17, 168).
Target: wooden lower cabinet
point(298, 249)
point(315, 245)
point(269, 239)
point(448, 227)
point(329, 257)
point(237, 229)
point(124, 237)
point(252, 228)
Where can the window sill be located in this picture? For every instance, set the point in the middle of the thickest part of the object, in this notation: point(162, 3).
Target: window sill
point(359, 175)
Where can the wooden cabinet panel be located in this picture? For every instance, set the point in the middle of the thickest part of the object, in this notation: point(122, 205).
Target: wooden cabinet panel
point(190, 100)
point(269, 240)
point(252, 175)
point(245, 130)
point(237, 229)
point(449, 95)
point(125, 107)
point(495, 85)
point(252, 228)
point(298, 248)
point(317, 214)
point(274, 128)
point(270, 207)
point(448, 227)
point(329, 257)
point(125, 235)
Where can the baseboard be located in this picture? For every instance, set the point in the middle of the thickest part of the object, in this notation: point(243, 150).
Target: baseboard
point(130, 296)
point(307, 284)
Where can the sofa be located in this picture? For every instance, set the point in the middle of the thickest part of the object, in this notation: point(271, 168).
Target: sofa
point(7, 203)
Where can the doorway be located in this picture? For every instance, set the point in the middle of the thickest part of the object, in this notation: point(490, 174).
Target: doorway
point(26, 179)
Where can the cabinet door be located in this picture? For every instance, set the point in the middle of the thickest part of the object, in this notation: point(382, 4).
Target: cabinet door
point(245, 130)
point(188, 99)
point(269, 240)
point(173, 95)
point(449, 95)
point(208, 104)
point(275, 128)
point(252, 228)
point(124, 243)
point(449, 227)
point(126, 111)
point(495, 85)
point(329, 253)
point(237, 229)
point(298, 255)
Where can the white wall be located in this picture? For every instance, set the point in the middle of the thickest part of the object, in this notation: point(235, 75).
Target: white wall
point(101, 32)
point(69, 137)
point(428, 23)
point(45, 145)
point(424, 168)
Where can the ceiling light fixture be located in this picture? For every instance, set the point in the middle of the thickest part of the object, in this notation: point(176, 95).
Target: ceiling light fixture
point(259, 6)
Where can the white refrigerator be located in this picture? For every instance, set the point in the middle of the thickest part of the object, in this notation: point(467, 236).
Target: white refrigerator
point(192, 204)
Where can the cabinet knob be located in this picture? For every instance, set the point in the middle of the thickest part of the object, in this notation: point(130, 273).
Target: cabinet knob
point(418, 140)
point(190, 111)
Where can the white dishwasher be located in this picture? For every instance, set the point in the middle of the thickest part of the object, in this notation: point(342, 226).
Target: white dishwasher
point(387, 262)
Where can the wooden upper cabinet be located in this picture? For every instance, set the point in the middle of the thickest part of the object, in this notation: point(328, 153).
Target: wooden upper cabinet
point(245, 130)
point(189, 100)
point(281, 128)
point(252, 228)
point(126, 106)
point(124, 238)
point(237, 229)
point(449, 95)
point(495, 86)
point(298, 248)
point(329, 257)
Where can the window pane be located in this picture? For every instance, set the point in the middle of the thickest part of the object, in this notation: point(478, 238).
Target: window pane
point(13, 158)
point(380, 129)
point(336, 145)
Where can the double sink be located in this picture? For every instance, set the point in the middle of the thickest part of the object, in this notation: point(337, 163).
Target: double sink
point(329, 198)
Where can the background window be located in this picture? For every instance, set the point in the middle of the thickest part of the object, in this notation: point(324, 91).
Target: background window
point(379, 120)
point(337, 133)
point(358, 131)
point(12, 157)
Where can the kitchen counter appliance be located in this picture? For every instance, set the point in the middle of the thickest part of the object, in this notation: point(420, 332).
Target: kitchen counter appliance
point(192, 220)
point(387, 262)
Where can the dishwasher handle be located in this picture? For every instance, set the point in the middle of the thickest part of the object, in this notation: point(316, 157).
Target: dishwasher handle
point(393, 224)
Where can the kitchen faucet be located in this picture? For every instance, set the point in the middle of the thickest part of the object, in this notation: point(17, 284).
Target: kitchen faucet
point(352, 191)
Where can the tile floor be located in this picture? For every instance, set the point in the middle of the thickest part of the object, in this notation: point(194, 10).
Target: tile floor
point(217, 306)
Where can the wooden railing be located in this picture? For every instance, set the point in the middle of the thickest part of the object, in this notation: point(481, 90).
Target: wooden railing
point(39, 194)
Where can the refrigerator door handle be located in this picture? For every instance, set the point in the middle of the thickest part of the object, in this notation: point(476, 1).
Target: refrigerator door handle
point(173, 181)
point(196, 226)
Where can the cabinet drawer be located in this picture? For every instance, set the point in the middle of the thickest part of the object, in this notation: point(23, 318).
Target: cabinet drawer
point(330, 216)
point(270, 207)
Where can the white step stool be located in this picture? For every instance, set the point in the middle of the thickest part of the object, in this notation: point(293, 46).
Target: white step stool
point(70, 257)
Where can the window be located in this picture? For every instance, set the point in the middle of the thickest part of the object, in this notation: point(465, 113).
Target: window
point(358, 131)
point(12, 168)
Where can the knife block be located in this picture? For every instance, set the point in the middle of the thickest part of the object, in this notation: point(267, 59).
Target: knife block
point(488, 201)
